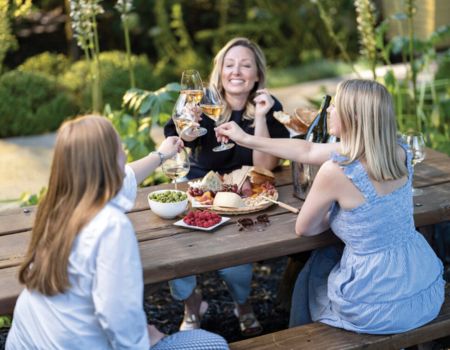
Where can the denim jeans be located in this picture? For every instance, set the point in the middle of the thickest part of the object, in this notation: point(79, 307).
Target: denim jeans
point(237, 278)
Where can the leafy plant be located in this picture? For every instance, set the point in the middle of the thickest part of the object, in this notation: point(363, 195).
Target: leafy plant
point(143, 109)
point(157, 104)
point(83, 14)
point(50, 64)
point(28, 199)
point(115, 78)
point(9, 10)
point(32, 104)
point(125, 7)
point(5, 321)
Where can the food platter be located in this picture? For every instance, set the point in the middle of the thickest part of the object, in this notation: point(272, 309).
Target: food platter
point(251, 197)
point(263, 204)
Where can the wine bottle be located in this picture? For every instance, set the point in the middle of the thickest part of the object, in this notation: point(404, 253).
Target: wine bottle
point(317, 130)
point(303, 174)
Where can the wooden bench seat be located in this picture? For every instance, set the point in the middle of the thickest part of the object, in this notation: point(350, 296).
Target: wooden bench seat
point(320, 336)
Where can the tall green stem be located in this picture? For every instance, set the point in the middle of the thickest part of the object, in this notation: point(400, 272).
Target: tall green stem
point(410, 12)
point(128, 48)
point(97, 102)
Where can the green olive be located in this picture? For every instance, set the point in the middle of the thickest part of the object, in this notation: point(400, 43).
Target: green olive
point(168, 197)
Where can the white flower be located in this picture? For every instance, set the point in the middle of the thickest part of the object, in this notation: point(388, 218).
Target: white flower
point(124, 6)
point(82, 13)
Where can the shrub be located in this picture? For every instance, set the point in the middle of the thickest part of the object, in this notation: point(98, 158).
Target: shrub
point(50, 64)
point(114, 77)
point(32, 104)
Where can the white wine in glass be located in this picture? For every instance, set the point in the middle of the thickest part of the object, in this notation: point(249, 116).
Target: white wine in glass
point(177, 166)
point(184, 118)
point(192, 86)
point(212, 106)
point(212, 111)
point(416, 142)
point(193, 96)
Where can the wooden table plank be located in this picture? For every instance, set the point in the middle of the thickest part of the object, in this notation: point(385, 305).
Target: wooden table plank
point(434, 170)
point(433, 207)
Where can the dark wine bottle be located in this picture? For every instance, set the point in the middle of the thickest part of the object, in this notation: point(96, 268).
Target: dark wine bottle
point(304, 174)
point(317, 130)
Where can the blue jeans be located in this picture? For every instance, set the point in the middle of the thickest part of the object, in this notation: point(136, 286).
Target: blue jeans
point(237, 278)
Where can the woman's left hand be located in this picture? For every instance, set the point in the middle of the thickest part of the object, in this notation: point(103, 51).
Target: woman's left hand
point(263, 103)
point(170, 146)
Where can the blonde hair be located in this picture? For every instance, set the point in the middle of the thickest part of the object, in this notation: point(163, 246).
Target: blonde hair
point(368, 128)
point(260, 59)
point(85, 175)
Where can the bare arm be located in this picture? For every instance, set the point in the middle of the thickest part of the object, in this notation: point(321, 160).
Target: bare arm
point(314, 215)
point(293, 149)
point(145, 166)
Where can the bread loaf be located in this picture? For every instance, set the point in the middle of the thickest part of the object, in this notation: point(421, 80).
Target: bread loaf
point(292, 122)
point(260, 175)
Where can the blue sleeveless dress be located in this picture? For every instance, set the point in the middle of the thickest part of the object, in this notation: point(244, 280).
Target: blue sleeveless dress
point(386, 279)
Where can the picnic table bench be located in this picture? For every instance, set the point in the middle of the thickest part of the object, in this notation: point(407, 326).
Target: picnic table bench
point(168, 251)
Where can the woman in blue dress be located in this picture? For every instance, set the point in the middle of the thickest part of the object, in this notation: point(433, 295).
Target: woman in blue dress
point(386, 278)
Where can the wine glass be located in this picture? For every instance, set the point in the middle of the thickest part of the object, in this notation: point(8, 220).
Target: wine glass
point(176, 166)
point(212, 106)
point(192, 86)
point(184, 118)
point(416, 143)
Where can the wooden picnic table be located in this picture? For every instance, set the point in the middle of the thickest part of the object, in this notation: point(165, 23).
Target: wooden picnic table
point(169, 251)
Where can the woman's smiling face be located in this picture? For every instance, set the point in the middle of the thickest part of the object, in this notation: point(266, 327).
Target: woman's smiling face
point(239, 72)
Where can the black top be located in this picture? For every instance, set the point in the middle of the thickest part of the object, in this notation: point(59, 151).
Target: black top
point(203, 159)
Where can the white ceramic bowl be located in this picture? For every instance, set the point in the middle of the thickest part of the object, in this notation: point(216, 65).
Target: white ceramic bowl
point(167, 210)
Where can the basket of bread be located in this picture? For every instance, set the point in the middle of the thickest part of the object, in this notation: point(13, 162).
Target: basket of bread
point(298, 122)
point(239, 192)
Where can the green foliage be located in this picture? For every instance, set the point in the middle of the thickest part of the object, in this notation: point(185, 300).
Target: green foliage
point(136, 140)
point(115, 78)
point(318, 69)
point(147, 108)
point(5, 321)
point(7, 39)
point(156, 104)
point(50, 64)
point(28, 199)
point(32, 104)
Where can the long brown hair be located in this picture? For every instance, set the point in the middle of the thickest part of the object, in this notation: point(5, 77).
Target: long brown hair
point(368, 128)
point(260, 59)
point(85, 175)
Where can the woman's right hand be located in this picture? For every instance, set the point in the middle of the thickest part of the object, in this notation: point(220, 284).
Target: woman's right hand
point(230, 131)
point(170, 146)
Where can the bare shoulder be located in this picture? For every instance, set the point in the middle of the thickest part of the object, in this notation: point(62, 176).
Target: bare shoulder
point(331, 171)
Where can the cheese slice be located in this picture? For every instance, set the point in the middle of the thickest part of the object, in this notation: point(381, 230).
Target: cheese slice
point(228, 200)
point(211, 182)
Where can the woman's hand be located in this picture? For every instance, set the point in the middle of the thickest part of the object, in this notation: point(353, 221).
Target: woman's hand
point(231, 131)
point(263, 103)
point(170, 146)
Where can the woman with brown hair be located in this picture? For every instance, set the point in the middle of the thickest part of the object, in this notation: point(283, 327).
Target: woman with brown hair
point(82, 271)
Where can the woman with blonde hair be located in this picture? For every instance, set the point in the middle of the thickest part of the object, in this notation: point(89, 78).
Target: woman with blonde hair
point(82, 271)
point(239, 73)
point(386, 279)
